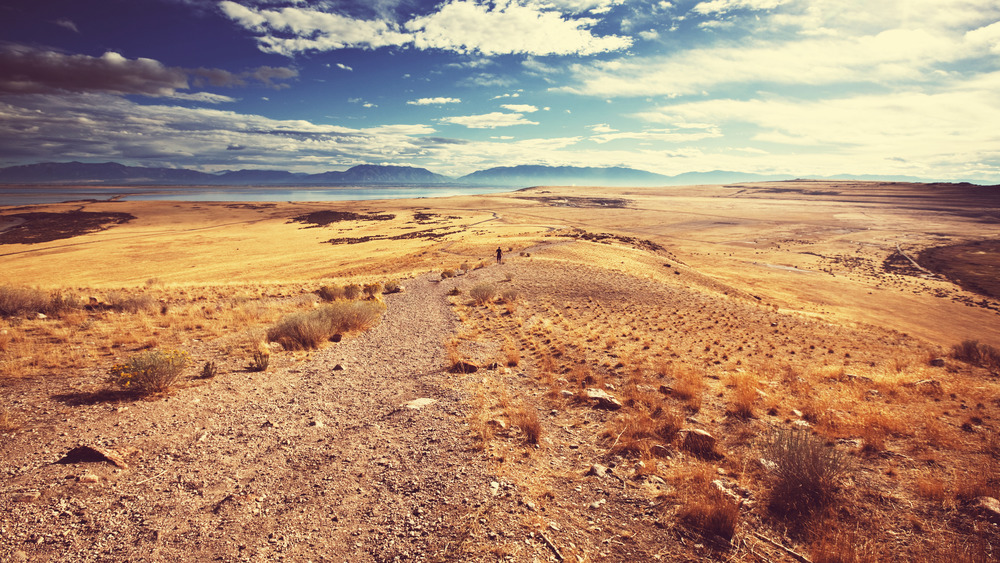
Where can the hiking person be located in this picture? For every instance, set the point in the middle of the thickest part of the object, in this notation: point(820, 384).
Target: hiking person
point(499, 256)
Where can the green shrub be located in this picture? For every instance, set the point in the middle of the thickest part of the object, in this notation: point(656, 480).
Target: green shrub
point(806, 471)
point(152, 371)
point(304, 331)
point(977, 354)
point(482, 293)
point(352, 291)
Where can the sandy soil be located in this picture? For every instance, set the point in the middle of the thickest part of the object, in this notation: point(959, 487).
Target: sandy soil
point(804, 284)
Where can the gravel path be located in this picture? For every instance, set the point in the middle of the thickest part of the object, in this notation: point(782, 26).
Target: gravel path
point(303, 463)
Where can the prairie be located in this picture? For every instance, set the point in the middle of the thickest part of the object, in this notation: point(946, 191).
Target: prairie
point(753, 372)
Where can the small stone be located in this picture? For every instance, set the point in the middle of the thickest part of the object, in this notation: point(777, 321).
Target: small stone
point(700, 443)
point(338, 367)
point(89, 478)
point(567, 394)
point(84, 454)
point(937, 362)
point(494, 488)
point(31, 496)
point(802, 424)
point(19, 556)
point(496, 422)
point(417, 404)
point(41, 316)
point(598, 470)
point(602, 399)
point(987, 508)
point(463, 367)
point(797, 413)
point(531, 506)
point(316, 423)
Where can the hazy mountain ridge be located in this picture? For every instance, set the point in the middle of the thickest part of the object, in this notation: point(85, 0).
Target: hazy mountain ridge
point(112, 173)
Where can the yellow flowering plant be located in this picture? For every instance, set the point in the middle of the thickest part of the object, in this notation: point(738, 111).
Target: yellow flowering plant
point(152, 371)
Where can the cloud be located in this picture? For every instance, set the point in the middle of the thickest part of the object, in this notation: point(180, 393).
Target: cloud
point(469, 27)
point(507, 95)
point(602, 128)
point(342, 66)
point(658, 135)
point(489, 120)
point(68, 24)
point(649, 34)
point(27, 70)
point(311, 30)
point(462, 26)
point(433, 101)
point(203, 97)
point(520, 108)
point(486, 80)
point(724, 6)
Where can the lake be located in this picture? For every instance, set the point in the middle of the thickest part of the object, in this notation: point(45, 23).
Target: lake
point(27, 195)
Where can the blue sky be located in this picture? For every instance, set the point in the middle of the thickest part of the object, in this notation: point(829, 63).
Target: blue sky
point(801, 87)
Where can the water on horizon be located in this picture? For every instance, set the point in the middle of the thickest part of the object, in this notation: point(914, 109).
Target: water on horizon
point(21, 195)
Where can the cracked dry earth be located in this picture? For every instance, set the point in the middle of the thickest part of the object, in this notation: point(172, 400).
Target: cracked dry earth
point(301, 463)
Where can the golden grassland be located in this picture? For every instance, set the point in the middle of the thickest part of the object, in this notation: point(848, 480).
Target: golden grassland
point(740, 310)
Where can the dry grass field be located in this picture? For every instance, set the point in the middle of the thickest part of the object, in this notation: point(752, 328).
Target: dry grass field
point(763, 372)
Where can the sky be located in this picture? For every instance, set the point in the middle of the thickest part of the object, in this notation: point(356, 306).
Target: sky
point(799, 87)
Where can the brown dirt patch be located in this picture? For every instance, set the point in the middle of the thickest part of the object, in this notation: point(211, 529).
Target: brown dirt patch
point(45, 227)
point(974, 266)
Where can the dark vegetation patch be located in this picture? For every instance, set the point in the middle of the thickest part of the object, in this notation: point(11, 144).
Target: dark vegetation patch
point(324, 218)
point(428, 234)
point(45, 227)
point(974, 266)
point(571, 201)
point(426, 218)
point(252, 206)
point(608, 238)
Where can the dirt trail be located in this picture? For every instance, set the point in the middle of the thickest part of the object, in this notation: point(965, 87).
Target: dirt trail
point(304, 462)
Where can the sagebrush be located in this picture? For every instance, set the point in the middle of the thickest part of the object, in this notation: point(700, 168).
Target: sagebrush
point(151, 371)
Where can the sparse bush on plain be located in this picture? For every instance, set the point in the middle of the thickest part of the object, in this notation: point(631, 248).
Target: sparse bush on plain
point(712, 514)
point(125, 303)
point(978, 354)
point(526, 418)
point(510, 295)
point(371, 290)
point(23, 300)
point(447, 273)
point(465, 267)
point(260, 359)
point(482, 293)
point(352, 291)
point(391, 286)
point(304, 331)
point(149, 372)
point(331, 293)
point(7, 422)
point(806, 471)
point(209, 370)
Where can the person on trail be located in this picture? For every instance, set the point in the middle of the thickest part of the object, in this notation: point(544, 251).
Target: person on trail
point(499, 255)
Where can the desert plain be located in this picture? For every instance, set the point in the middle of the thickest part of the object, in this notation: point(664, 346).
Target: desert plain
point(755, 372)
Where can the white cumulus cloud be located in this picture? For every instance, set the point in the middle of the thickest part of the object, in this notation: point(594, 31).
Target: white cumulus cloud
point(433, 101)
point(489, 120)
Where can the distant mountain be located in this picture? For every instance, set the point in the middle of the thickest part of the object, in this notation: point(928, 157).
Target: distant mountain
point(723, 177)
point(113, 173)
point(534, 175)
point(371, 174)
point(103, 173)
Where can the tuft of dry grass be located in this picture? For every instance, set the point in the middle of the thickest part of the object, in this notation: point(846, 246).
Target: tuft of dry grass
point(7, 422)
point(689, 386)
point(526, 418)
point(806, 471)
point(305, 331)
point(511, 353)
point(711, 514)
point(744, 395)
point(483, 293)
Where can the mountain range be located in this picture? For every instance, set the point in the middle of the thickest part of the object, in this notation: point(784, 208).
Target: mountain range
point(112, 173)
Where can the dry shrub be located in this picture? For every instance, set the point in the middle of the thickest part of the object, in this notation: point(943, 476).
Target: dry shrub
point(806, 471)
point(510, 295)
point(331, 293)
point(526, 418)
point(689, 385)
point(24, 300)
point(260, 359)
point(149, 372)
point(482, 293)
point(711, 514)
point(372, 290)
point(352, 291)
point(744, 395)
point(637, 431)
point(931, 488)
point(511, 352)
point(7, 422)
point(977, 354)
point(126, 303)
point(982, 480)
point(304, 331)
point(447, 273)
point(838, 546)
point(391, 286)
